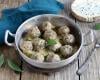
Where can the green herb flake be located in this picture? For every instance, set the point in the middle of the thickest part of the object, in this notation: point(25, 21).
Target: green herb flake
point(14, 66)
point(51, 42)
point(97, 27)
point(1, 60)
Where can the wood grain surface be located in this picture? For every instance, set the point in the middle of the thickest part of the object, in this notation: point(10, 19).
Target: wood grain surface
point(68, 72)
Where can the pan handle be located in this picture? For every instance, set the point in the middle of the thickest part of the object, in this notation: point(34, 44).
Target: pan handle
point(7, 33)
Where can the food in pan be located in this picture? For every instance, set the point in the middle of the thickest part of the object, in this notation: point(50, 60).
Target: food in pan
point(63, 30)
point(47, 26)
point(38, 44)
point(34, 31)
point(52, 57)
point(68, 38)
point(26, 45)
point(50, 34)
point(66, 50)
point(48, 43)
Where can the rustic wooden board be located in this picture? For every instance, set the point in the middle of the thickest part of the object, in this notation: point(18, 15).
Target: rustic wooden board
point(6, 73)
point(93, 67)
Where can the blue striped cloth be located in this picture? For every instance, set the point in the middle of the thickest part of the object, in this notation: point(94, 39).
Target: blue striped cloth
point(12, 18)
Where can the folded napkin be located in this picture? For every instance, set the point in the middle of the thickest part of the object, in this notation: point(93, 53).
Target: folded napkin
point(12, 18)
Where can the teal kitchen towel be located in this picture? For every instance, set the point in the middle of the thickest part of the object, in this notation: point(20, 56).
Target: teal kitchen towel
point(12, 18)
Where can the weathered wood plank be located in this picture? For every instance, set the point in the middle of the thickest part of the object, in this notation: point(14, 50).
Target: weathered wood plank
point(93, 67)
point(6, 73)
point(67, 73)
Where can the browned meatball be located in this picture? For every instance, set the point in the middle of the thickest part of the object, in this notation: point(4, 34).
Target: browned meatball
point(68, 38)
point(47, 26)
point(66, 50)
point(50, 34)
point(63, 30)
point(52, 57)
point(38, 44)
point(38, 57)
point(34, 31)
point(25, 45)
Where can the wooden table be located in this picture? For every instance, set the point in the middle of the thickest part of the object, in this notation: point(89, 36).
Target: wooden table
point(67, 73)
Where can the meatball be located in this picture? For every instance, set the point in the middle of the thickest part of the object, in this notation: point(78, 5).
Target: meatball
point(66, 50)
point(52, 57)
point(47, 26)
point(68, 38)
point(38, 57)
point(38, 44)
point(63, 30)
point(25, 45)
point(50, 34)
point(55, 47)
point(43, 52)
point(34, 31)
